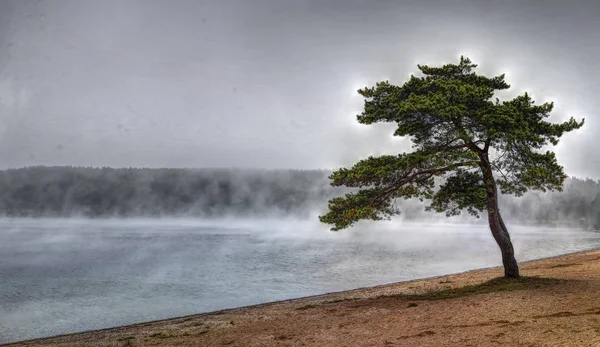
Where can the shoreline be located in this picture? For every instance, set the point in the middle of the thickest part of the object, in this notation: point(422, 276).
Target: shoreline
point(364, 293)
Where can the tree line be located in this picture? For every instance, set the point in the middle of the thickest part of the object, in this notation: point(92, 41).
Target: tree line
point(142, 192)
point(129, 192)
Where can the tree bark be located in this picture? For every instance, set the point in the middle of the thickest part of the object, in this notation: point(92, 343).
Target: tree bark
point(499, 231)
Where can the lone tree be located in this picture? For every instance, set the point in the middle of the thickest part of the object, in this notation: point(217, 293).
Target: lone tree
point(465, 147)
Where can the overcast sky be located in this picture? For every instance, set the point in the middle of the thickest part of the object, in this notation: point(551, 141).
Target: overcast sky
point(267, 83)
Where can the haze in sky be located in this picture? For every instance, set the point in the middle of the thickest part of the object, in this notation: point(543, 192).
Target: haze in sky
point(267, 83)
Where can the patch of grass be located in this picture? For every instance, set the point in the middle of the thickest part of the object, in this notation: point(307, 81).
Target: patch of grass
point(338, 300)
point(127, 340)
point(335, 301)
point(563, 265)
point(161, 335)
point(305, 307)
point(412, 304)
point(495, 285)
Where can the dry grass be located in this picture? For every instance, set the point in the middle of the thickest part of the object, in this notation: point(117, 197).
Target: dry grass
point(556, 303)
point(499, 284)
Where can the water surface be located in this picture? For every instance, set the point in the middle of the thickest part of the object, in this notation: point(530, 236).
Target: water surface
point(62, 276)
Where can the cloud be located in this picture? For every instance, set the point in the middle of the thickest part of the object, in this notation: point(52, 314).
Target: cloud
point(269, 84)
point(13, 98)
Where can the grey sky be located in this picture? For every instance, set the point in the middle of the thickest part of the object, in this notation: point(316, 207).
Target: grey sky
point(259, 83)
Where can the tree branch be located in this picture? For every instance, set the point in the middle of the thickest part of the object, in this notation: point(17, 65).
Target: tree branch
point(445, 146)
point(497, 168)
point(410, 178)
point(487, 145)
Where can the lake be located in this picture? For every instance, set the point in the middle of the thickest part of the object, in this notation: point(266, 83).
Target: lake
point(62, 276)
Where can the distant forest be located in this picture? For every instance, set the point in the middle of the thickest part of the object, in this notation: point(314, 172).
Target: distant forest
point(213, 193)
point(107, 192)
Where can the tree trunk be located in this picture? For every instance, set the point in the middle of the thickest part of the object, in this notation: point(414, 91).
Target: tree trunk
point(499, 231)
point(511, 268)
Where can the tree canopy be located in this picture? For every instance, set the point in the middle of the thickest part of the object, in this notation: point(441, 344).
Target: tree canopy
point(465, 142)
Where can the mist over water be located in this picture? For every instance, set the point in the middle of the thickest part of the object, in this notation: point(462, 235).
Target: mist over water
point(60, 276)
point(118, 200)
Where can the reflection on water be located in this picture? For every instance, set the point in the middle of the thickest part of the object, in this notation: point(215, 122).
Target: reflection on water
point(60, 276)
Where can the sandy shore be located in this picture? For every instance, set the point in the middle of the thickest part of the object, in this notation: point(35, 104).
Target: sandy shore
point(557, 303)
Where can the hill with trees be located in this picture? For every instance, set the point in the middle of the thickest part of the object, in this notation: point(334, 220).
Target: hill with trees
point(213, 193)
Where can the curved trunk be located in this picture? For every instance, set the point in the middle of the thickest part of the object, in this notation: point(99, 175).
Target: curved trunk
point(499, 231)
point(511, 268)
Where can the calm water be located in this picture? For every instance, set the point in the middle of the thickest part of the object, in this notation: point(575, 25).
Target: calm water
point(61, 276)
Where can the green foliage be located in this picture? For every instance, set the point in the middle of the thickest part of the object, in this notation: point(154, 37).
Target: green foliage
point(462, 139)
point(462, 191)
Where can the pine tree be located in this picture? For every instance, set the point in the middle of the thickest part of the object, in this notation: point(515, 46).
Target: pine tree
point(467, 147)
